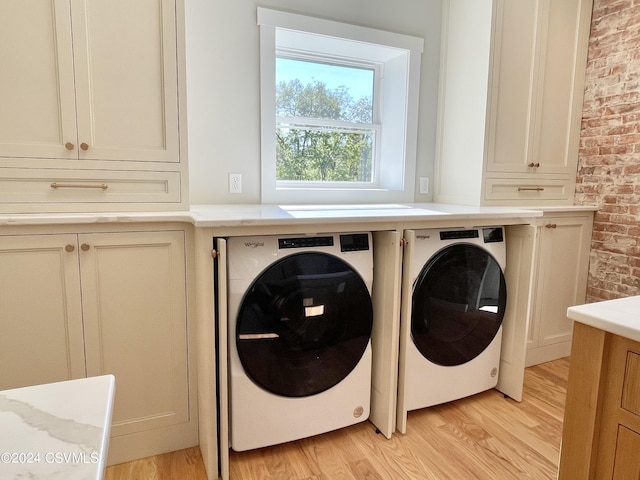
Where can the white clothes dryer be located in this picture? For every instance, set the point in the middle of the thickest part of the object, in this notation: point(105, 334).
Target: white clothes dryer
point(300, 320)
point(452, 328)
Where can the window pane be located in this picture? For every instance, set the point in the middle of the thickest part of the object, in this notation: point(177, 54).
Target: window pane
point(324, 154)
point(323, 91)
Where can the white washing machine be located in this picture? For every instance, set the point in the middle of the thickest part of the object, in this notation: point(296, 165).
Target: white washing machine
point(458, 300)
point(300, 320)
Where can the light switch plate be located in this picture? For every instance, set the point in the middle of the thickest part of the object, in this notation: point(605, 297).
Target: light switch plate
point(424, 185)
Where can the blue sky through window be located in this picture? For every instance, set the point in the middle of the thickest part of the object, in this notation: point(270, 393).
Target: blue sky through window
point(358, 81)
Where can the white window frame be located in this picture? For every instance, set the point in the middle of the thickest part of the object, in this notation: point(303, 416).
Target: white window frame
point(397, 60)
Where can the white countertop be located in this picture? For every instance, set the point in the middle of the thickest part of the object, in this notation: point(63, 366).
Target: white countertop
point(258, 215)
point(243, 215)
point(57, 431)
point(238, 215)
point(620, 316)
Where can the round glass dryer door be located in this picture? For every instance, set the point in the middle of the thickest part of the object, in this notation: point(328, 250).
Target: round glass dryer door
point(458, 304)
point(304, 324)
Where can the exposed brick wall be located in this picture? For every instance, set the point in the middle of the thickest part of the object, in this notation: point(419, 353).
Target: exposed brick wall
point(609, 158)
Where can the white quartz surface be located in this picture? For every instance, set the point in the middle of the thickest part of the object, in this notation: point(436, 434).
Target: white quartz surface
point(57, 431)
point(620, 316)
point(240, 215)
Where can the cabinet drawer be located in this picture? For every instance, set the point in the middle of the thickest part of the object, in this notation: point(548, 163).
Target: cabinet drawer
point(631, 385)
point(528, 190)
point(49, 190)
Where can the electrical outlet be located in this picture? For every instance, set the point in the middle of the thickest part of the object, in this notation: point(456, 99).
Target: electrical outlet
point(424, 185)
point(235, 183)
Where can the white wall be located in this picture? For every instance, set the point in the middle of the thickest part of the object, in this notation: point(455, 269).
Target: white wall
point(223, 83)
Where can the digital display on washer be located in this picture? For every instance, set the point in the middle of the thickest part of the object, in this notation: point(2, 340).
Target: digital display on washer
point(354, 242)
point(493, 235)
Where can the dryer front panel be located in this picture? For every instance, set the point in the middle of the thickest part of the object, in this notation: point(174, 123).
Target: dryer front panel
point(458, 304)
point(304, 324)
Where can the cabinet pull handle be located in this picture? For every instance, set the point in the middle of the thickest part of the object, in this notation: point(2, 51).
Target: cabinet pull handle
point(84, 146)
point(69, 248)
point(102, 186)
point(534, 165)
point(532, 189)
point(85, 247)
point(550, 225)
point(69, 146)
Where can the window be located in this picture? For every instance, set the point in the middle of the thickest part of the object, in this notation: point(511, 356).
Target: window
point(324, 132)
point(338, 111)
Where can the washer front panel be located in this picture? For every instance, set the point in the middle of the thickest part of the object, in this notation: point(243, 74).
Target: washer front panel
point(304, 324)
point(458, 303)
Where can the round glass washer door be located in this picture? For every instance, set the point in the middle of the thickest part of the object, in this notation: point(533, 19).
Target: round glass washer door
point(304, 324)
point(458, 304)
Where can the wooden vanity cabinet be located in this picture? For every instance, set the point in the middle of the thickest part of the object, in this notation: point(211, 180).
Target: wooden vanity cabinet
point(601, 433)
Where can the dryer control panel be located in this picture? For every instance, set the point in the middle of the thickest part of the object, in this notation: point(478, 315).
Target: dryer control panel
point(350, 242)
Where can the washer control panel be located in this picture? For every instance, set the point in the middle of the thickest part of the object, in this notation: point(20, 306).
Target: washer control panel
point(305, 242)
point(349, 242)
point(489, 234)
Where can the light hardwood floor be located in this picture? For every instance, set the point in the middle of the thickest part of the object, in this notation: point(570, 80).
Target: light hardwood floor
point(483, 437)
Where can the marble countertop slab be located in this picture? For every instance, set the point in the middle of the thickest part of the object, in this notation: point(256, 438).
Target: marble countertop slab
point(620, 316)
point(56, 431)
point(272, 215)
point(260, 215)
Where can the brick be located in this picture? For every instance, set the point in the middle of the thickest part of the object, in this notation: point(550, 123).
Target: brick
point(608, 173)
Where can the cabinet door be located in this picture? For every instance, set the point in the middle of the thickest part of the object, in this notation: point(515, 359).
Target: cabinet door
point(126, 79)
point(514, 46)
point(558, 103)
point(626, 459)
point(134, 306)
point(562, 277)
point(41, 339)
point(537, 86)
point(37, 114)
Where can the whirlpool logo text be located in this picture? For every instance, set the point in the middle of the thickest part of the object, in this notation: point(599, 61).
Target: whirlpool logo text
point(253, 244)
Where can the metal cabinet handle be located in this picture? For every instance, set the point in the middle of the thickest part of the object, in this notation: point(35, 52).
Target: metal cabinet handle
point(530, 189)
point(70, 248)
point(534, 165)
point(85, 247)
point(84, 146)
point(102, 186)
point(550, 225)
point(69, 146)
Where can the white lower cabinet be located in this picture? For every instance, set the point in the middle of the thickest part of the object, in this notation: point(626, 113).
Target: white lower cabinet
point(90, 303)
point(559, 268)
point(41, 334)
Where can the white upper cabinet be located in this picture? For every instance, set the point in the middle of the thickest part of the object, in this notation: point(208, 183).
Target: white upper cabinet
point(38, 112)
point(126, 88)
point(512, 78)
point(90, 117)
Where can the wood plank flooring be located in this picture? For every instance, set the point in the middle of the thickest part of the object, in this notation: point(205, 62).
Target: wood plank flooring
point(485, 436)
